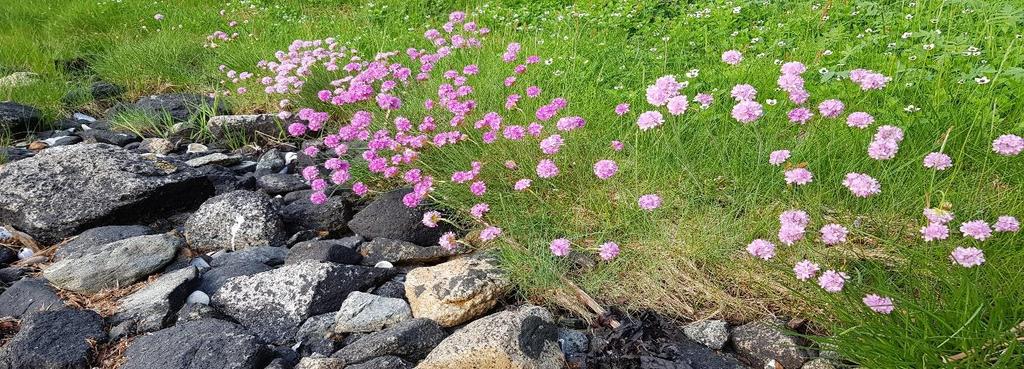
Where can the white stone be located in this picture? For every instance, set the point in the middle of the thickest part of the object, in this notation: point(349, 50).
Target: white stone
point(198, 297)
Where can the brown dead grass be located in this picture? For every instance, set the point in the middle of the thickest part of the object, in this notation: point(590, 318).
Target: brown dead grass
point(110, 355)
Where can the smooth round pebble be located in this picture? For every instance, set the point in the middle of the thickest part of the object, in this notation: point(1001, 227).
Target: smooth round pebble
point(198, 297)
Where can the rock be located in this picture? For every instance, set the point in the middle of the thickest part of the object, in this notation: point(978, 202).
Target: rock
point(457, 291)
point(269, 255)
point(199, 344)
point(572, 341)
point(383, 362)
point(314, 336)
point(273, 304)
point(393, 289)
point(193, 311)
point(400, 252)
point(214, 159)
point(7, 255)
point(18, 79)
point(108, 137)
point(323, 250)
point(102, 90)
point(710, 333)
point(16, 117)
point(819, 363)
point(118, 263)
point(153, 307)
point(320, 363)
point(195, 148)
point(11, 274)
point(279, 183)
point(198, 297)
point(64, 190)
point(98, 236)
point(213, 279)
point(388, 217)
point(524, 338)
point(235, 221)
point(178, 107)
point(224, 180)
point(12, 154)
point(410, 340)
point(62, 141)
point(760, 341)
point(54, 339)
point(364, 312)
point(270, 162)
point(331, 217)
point(160, 146)
point(244, 126)
point(27, 296)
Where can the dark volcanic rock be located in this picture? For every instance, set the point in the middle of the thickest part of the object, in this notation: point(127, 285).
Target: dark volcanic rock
point(323, 250)
point(178, 107)
point(102, 90)
point(279, 183)
point(225, 180)
point(58, 339)
point(400, 252)
point(214, 278)
point(388, 217)
point(16, 117)
point(200, 344)
point(411, 340)
point(97, 237)
point(761, 341)
point(234, 221)
point(247, 126)
point(270, 162)
point(153, 307)
point(331, 217)
point(64, 190)
point(269, 255)
point(27, 296)
point(274, 304)
point(314, 335)
point(108, 137)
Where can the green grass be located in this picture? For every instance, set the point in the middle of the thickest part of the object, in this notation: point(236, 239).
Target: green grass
point(686, 259)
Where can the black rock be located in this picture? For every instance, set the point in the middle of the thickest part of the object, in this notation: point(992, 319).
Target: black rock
point(251, 126)
point(383, 362)
point(97, 237)
point(388, 217)
point(11, 274)
point(67, 189)
point(108, 137)
point(394, 289)
point(313, 335)
point(323, 250)
point(279, 183)
point(400, 252)
point(331, 217)
point(16, 117)
point(178, 107)
point(102, 90)
point(27, 296)
point(269, 255)
point(270, 162)
point(190, 312)
point(7, 256)
point(411, 340)
point(226, 180)
point(153, 307)
point(200, 344)
point(213, 279)
point(54, 339)
point(10, 154)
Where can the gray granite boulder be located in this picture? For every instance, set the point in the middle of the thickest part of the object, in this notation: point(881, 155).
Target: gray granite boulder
point(270, 255)
point(410, 340)
point(67, 189)
point(388, 217)
point(234, 221)
point(99, 236)
point(199, 344)
point(524, 338)
point(153, 307)
point(119, 263)
point(54, 339)
point(213, 279)
point(710, 333)
point(364, 312)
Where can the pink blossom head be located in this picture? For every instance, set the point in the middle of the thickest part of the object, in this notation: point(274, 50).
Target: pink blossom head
point(967, 257)
point(747, 111)
point(778, 157)
point(862, 185)
point(976, 229)
point(546, 168)
point(938, 215)
point(431, 218)
point(490, 233)
point(448, 241)
point(937, 161)
point(318, 198)
point(793, 68)
point(833, 234)
point(832, 281)
point(649, 202)
point(1008, 145)
point(560, 247)
point(478, 210)
point(743, 92)
point(621, 109)
point(879, 304)
point(704, 100)
point(732, 57)
point(934, 231)
point(805, 270)
point(608, 250)
point(795, 217)
point(677, 105)
point(859, 119)
point(605, 169)
point(522, 184)
point(800, 115)
point(617, 145)
point(831, 108)
point(649, 119)
point(761, 249)
point(798, 176)
point(790, 234)
point(1007, 223)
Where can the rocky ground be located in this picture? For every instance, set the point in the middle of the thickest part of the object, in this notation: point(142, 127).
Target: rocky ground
point(160, 253)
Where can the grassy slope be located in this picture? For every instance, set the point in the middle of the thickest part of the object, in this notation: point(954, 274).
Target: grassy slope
point(686, 258)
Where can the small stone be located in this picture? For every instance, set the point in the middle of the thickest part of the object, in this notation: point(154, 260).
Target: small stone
point(54, 339)
point(38, 145)
point(457, 291)
point(280, 183)
point(314, 336)
point(25, 253)
point(115, 264)
point(214, 159)
point(198, 297)
point(323, 250)
point(331, 217)
point(17, 117)
point(244, 126)
point(190, 312)
point(198, 344)
point(761, 341)
point(270, 162)
point(572, 341)
point(411, 340)
point(153, 307)
point(159, 146)
point(364, 312)
point(710, 333)
point(525, 338)
point(235, 221)
point(384, 264)
point(400, 252)
point(195, 148)
point(108, 137)
point(819, 363)
point(320, 363)
point(27, 296)
point(388, 217)
point(62, 141)
point(392, 289)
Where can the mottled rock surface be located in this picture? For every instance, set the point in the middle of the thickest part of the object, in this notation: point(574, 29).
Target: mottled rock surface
point(457, 291)
point(115, 264)
point(235, 221)
point(410, 340)
point(388, 217)
point(364, 312)
point(200, 344)
point(27, 296)
point(56, 339)
point(761, 341)
point(525, 338)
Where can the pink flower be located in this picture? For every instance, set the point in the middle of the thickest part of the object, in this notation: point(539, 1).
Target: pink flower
point(976, 229)
point(570, 123)
point(747, 111)
point(790, 233)
point(360, 189)
point(732, 57)
point(478, 188)
point(617, 145)
point(677, 105)
point(967, 257)
point(743, 92)
point(431, 218)
point(1008, 145)
point(664, 88)
point(805, 270)
point(478, 210)
point(800, 115)
point(1007, 223)
point(883, 149)
point(296, 129)
point(795, 217)
point(560, 247)
point(649, 119)
point(832, 234)
point(794, 68)
point(448, 241)
point(937, 161)
point(490, 233)
point(761, 249)
point(609, 250)
point(831, 108)
point(522, 184)
point(649, 202)
point(551, 145)
point(878, 304)
point(621, 109)
point(546, 168)
point(533, 91)
point(704, 100)
point(158, 16)
point(862, 185)
point(889, 133)
point(605, 169)
point(318, 198)
point(791, 83)
point(832, 281)
point(934, 231)
point(778, 157)
point(798, 176)
point(859, 119)
point(937, 215)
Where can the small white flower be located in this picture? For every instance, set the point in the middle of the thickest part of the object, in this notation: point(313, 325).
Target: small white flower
point(981, 80)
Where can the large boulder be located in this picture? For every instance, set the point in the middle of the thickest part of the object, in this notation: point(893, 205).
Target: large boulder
point(59, 339)
point(411, 340)
point(154, 306)
point(525, 338)
point(199, 344)
point(178, 107)
point(27, 296)
point(16, 117)
point(388, 217)
point(275, 303)
point(331, 217)
point(244, 126)
point(234, 221)
point(364, 312)
point(67, 189)
point(98, 236)
point(761, 341)
point(457, 291)
point(115, 264)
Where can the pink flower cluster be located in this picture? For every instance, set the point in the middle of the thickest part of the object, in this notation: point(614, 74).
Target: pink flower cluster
point(1008, 145)
point(862, 185)
point(886, 143)
point(869, 80)
point(792, 225)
